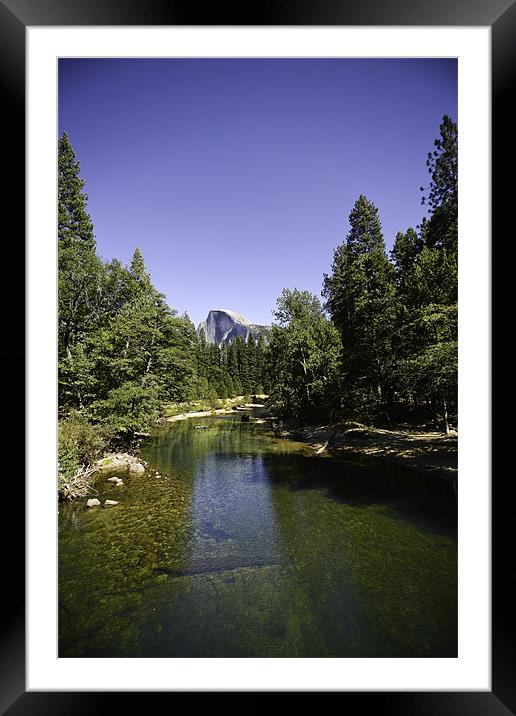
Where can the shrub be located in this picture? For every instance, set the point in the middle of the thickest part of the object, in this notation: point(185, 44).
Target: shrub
point(79, 444)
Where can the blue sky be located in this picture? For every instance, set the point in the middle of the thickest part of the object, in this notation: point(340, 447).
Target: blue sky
point(236, 177)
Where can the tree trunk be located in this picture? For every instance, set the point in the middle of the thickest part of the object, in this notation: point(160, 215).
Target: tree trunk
point(303, 363)
point(446, 426)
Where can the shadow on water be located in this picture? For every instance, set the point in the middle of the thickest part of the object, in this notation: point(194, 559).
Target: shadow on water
point(423, 498)
point(238, 544)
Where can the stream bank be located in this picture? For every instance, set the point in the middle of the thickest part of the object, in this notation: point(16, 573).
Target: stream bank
point(237, 542)
point(420, 449)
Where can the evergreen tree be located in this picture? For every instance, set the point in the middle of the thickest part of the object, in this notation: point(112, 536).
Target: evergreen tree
point(303, 357)
point(261, 351)
point(233, 368)
point(243, 364)
point(127, 354)
point(80, 271)
point(442, 199)
point(252, 357)
point(365, 234)
point(74, 225)
point(230, 388)
point(202, 355)
point(139, 273)
point(176, 360)
point(405, 251)
point(215, 375)
point(360, 296)
point(427, 285)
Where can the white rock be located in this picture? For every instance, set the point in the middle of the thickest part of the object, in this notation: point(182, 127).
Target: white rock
point(110, 503)
point(136, 467)
point(93, 502)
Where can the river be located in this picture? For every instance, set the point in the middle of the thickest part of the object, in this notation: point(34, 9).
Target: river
point(246, 545)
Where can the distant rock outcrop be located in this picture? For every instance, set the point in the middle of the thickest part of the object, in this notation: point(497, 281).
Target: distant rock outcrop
point(223, 326)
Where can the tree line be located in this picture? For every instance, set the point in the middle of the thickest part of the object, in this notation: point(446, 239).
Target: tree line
point(123, 353)
point(383, 345)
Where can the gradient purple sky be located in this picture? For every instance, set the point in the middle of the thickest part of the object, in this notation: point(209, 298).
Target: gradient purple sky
point(236, 177)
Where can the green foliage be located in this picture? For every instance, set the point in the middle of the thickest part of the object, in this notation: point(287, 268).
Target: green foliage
point(213, 400)
point(429, 334)
point(74, 226)
point(442, 163)
point(404, 254)
point(398, 321)
point(361, 298)
point(365, 235)
point(128, 408)
point(432, 278)
point(303, 357)
point(79, 444)
point(124, 354)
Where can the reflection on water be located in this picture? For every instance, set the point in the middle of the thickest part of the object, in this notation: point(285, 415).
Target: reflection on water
point(246, 545)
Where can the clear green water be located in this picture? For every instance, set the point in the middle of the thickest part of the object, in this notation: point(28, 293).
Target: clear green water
point(248, 546)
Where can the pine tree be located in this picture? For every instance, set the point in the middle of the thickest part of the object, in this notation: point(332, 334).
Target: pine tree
point(252, 357)
point(233, 368)
point(426, 335)
point(405, 251)
point(74, 223)
point(442, 199)
point(303, 357)
point(80, 271)
point(202, 355)
point(365, 234)
point(243, 364)
point(261, 351)
point(360, 296)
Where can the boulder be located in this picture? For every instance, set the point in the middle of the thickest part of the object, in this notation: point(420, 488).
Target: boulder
point(93, 502)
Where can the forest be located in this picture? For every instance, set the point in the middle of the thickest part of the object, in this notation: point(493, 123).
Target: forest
point(380, 347)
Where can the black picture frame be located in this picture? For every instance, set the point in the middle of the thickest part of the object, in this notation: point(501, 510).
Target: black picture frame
point(500, 15)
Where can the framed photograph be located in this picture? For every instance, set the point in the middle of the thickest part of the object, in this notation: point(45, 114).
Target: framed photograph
point(299, 569)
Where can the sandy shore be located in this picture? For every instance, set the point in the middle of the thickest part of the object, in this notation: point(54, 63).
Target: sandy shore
point(199, 414)
point(422, 449)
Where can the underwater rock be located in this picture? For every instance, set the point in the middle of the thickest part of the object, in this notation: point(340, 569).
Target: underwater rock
point(93, 502)
point(136, 468)
point(110, 503)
